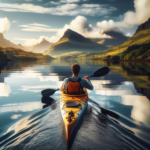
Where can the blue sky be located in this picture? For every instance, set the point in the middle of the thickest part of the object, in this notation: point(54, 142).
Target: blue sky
point(29, 21)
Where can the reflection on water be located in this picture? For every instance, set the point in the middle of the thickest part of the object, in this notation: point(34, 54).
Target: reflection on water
point(17, 107)
point(141, 107)
point(4, 89)
point(121, 91)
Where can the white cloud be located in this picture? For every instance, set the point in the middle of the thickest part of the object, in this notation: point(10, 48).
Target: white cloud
point(37, 28)
point(30, 42)
point(66, 1)
point(52, 2)
point(37, 24)
point(130, 18)
point(70, 9)
point(128, 34)
point(69, 1)
point(14, 21)
point(4, 25)
point(81, 25)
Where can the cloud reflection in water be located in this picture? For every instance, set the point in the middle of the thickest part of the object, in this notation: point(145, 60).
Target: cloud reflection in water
point(36, 74)
point(141, 107)
point(23, 107)
point(4, 89)
point(15, 116)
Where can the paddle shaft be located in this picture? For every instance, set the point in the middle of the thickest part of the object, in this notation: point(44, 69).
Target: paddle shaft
point(100, 72)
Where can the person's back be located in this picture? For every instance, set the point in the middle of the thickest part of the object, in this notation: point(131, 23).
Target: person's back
point(74, 84)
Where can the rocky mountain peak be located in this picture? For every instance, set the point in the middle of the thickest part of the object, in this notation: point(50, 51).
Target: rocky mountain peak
point(144, 26)
point(44, 40)
point(72, 35)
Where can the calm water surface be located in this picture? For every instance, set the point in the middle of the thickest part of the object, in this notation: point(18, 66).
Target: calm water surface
point(27, 123)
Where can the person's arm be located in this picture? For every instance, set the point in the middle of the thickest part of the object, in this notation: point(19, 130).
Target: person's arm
point(62, 88)
point(87, 83)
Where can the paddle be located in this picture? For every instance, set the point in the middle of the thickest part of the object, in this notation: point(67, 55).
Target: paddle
point(108, 112)
point(100, 72)
point(105, 111)
point(48, 92)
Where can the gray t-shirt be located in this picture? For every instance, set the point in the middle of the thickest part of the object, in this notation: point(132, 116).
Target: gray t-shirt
point(84, 83)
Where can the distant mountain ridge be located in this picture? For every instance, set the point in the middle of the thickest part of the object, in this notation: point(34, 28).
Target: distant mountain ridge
point(73, 41)
point(6, 43)
point(11, 51)
point(117, 38)
point(137, 47)
point(41, 47)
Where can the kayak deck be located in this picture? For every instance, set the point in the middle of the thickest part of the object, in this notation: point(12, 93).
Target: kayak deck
point(72, 115)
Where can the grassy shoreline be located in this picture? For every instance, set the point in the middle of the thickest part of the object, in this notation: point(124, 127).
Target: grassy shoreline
point(111, 60)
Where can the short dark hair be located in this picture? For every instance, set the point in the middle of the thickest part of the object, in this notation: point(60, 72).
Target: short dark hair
point(75, 68)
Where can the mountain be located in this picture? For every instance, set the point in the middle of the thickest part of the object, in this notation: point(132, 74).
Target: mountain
point(137, 47)
point(71, 55)
point(117, 39)
point(72, 41)
point(41, 47)
point(29, 48)
point(75, 55)
point(19, 54)
point(143, 26)
point(7, 43)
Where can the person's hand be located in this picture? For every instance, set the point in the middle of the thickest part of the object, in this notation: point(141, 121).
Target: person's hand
point(86, 78)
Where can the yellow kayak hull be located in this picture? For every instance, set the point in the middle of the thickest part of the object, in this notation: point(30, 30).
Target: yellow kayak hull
point(78, 111)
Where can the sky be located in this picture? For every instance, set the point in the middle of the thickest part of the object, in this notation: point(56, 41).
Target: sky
point(29, 21)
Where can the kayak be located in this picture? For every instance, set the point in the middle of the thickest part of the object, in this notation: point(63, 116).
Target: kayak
point(72, 109)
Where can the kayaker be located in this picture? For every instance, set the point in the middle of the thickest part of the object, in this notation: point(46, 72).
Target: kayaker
point(75, 84)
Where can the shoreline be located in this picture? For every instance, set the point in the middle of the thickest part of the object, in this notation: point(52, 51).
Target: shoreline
point(111, 60)
point(5, 60)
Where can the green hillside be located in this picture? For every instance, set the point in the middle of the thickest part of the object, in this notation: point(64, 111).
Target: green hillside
point(75, 55)
point(72, 41)
point(136, 47)
point(71, 55)
point(18, 54)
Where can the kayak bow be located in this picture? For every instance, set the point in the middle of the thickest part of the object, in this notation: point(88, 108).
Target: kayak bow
point(72, 109)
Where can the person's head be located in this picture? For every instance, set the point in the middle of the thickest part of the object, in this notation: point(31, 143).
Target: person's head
point(75, 68)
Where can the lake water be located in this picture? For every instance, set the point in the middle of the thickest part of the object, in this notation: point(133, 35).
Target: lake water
point(27, 123)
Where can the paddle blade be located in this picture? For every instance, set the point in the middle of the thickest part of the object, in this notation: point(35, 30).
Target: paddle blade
point(48, 92)
point(108, 112)
point(47, 100)
point(101, 72)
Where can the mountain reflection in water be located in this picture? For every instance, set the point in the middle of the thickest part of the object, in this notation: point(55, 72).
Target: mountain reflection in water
point(30, 121)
